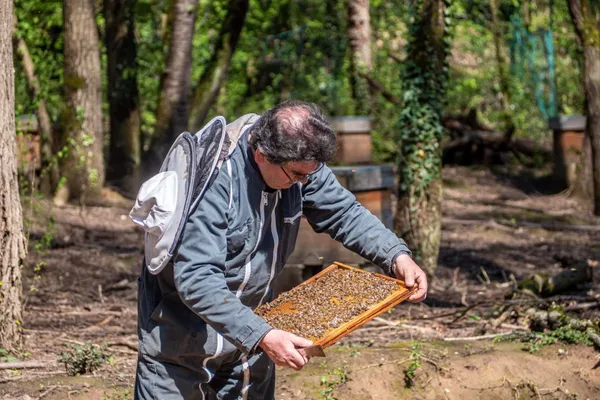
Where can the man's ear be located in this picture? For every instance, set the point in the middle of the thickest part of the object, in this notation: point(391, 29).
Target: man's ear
point(259, 157)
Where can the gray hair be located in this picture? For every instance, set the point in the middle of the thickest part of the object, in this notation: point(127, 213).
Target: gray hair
point(294, 131)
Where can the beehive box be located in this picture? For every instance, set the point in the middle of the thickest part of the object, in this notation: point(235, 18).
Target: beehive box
point(354, 139)
point(334, 303)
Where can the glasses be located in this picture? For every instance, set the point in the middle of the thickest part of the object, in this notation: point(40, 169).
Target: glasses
point(302, 177)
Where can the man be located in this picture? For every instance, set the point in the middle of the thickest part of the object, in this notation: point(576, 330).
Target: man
point(199, 337)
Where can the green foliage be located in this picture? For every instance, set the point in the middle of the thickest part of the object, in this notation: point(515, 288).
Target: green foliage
point(474, 74)
point(83, 359)
point(300, 49)
point(286, 51)
point(150, 18)
point(415, 363)
point(331, 381)
point(118, 394)
point(45, 242)
point(535, 341)
point(5, 356)
point(40, 25)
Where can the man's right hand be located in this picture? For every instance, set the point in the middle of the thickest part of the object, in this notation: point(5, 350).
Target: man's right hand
point(282, 348)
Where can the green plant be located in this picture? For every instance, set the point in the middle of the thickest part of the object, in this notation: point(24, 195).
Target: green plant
point(43, 245)
point(415, 363)
point(118, 394)
point(5, 356)
point(354, 353)
point(534, 341)
point(81, 359)
point(331, 381)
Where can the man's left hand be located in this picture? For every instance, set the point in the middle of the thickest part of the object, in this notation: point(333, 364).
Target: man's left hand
point(407, 270)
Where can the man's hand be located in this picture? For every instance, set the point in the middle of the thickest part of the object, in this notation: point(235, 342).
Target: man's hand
point(282, 347)
point(405, 269)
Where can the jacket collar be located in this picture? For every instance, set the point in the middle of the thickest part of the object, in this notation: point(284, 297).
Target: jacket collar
point(251, 165)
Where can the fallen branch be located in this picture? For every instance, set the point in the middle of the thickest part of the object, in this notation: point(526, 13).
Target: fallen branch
point(92, 312)
point(126, 343)
point(27, 364)
point(568, 279)
point(386, 322)
point(481, 337)
point(422, 329)
point(473, 142)
point(514, 327)
point(523, 224)
point(101, 323)
point(582, 306)
point(71, 341)
point(48, 391)
point(32, 374)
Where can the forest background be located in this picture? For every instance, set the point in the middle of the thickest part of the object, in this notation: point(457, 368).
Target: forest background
point(301, 49)
point(108, 85)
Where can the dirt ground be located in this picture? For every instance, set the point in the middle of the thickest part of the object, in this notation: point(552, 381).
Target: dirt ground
point(498, 227)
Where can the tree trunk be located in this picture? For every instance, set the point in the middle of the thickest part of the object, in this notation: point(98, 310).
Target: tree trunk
point(173, 107)
point(125, 146)
point(584, 184)
point(12, 241)
point(50, 174)
point(501, 62)
point(585, 17)
point(213, 77)
point(419, 222)
point(418, 215)
point(359, 35)
point(83, 164)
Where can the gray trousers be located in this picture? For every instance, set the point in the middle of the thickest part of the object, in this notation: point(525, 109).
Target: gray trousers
point(251, 378)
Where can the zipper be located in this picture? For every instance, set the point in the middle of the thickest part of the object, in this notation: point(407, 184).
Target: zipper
point(292, 220)
point(274, 260)
point(248, 266)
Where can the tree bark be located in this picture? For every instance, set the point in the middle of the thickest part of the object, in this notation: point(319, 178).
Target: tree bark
point(359, 35)
point(83, 164)
point(501, 62)
point(12, 241)
point(419, 208)
point(173, 105)
point(50, 174)
point(209, 85)
point(584, 184)
point(419, 222)
point(125, 146)
point(585, 18)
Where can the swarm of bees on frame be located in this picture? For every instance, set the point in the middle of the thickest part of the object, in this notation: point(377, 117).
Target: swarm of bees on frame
point(313, 310)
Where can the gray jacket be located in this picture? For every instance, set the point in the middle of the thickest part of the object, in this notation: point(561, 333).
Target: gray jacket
point(234, 245)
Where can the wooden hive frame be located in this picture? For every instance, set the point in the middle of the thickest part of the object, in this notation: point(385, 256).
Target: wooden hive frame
point(377, 309)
